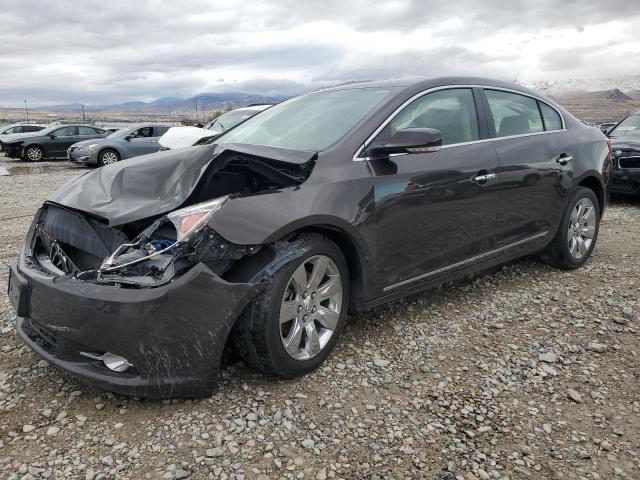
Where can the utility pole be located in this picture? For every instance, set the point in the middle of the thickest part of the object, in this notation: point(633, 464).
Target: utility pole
point(204, 118)
point(196, 109)
point(83, 120)
point(26, 109)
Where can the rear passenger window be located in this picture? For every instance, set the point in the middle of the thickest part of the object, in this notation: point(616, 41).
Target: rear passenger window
point(514, 114)
point(453, 112)
point(551, 118)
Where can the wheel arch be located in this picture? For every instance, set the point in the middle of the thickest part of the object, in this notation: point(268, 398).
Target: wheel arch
point(594, 183)
point(109, 147)
point(30, 145)
point(352, 255)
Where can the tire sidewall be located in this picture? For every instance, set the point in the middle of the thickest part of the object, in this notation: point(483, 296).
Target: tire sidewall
point(288, 366)
point(26, 156)
point(578, 195)
point(101, 154)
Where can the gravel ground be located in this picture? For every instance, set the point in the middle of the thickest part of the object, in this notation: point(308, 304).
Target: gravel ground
point(526, 372)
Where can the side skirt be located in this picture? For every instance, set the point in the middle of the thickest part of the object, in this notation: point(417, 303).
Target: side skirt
point(492, 259)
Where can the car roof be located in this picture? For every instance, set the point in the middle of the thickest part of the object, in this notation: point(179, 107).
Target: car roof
point(422, 83)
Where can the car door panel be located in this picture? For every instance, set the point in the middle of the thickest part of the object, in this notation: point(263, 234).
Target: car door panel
point(533, 181)
point(64, 138)
point(533, 185)
point(430, 211)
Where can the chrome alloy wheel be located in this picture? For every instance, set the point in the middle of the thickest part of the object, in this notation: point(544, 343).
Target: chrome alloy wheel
point(109, 157)
point(34, 154)
point(582, 228)
point(310, 307)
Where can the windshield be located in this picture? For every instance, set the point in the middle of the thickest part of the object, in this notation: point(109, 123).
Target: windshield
point(311, 122)
point(120, 133)
point(230, 119)
point(629, 127)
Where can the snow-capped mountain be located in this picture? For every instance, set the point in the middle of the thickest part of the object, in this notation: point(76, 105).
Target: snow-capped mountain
point(559, 88)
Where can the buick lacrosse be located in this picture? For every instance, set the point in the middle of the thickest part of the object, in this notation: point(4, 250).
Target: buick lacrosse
point(135, 276)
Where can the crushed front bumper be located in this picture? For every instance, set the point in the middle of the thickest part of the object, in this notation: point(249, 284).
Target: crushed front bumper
point(13, 150)
point(173, 335)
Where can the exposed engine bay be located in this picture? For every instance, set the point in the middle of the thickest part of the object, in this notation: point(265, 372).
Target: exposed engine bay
point(151, 251)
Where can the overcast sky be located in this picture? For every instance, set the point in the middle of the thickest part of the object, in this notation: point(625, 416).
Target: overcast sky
point(111, 51)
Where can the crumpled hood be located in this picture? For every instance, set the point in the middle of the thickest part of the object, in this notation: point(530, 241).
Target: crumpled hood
point(157, 183)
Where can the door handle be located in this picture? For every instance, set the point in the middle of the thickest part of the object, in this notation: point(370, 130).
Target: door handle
point(564, 159)
point(482, 179)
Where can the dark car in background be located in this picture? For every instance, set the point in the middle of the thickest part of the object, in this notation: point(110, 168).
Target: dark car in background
point(52, 142)
point(625, 146)
point(133, 141)
point(134, 277)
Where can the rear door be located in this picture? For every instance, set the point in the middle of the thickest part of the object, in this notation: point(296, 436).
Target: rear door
point(535, 154)
point(435, 210)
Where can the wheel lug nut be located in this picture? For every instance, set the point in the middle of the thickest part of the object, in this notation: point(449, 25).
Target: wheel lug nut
point(299, 308)
point(313, 295)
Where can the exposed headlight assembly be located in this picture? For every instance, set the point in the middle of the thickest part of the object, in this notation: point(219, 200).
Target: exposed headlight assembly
point(176, 241)
point(93, 146)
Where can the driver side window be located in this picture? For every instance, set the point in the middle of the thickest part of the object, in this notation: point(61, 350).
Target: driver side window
point(452, 111)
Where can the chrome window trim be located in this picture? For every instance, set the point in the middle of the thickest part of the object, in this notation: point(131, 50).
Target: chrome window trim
point(358, 158)
point(466, 261)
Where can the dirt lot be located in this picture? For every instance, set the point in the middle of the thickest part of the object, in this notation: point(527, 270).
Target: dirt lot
point(524, 373)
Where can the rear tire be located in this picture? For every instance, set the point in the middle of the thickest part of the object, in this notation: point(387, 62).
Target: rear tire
point(578, 232)
point(33, 154)
point(294, 323)
point(107, 157)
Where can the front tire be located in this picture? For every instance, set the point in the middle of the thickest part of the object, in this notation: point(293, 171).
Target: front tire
point(578, 232)
point(34, 154)
point(294, 323)
point(107, 157)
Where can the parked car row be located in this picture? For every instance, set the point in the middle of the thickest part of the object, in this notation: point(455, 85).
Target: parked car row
point(90, 145)
point(135, 276)
point(51, 142)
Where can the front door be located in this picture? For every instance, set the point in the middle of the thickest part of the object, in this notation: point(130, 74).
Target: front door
point(436, 210)
point(141, 142)
point(64, 138)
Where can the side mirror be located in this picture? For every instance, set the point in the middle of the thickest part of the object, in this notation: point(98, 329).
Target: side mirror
point(52, 136)
point(128, 138)
point(409, 140)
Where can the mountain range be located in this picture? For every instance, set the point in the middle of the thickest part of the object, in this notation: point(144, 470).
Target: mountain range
point(178, 104)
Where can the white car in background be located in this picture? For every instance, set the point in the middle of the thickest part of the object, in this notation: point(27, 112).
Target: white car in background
point(17, 130)
point(179, 137)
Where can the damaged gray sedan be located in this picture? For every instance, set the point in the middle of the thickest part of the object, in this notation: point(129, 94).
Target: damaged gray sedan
point(135, 277)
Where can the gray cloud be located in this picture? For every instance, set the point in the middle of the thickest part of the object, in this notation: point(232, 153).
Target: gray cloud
point(101, 52)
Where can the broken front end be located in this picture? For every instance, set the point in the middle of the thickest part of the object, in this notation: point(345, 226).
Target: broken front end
point(143, 308)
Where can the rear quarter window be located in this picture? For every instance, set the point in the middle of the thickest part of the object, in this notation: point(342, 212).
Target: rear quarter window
point(552, 120)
